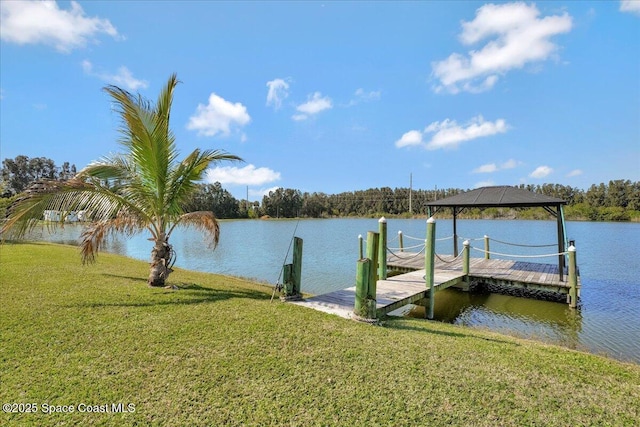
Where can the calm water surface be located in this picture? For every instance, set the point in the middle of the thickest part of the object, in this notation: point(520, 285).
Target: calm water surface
point(608, 321)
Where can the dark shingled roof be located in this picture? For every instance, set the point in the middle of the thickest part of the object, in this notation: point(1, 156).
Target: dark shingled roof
point(501, 196)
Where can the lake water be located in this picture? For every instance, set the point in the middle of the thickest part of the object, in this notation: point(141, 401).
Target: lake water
point(607, 322)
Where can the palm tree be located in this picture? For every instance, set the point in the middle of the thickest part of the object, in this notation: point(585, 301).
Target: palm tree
point(144, 188)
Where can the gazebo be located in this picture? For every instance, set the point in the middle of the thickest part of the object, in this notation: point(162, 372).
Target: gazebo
point(504, 197)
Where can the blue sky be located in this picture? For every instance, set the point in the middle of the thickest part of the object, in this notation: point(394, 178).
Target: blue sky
point(338, 96)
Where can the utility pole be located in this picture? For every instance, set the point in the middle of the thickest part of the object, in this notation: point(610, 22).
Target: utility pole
point(410, 192)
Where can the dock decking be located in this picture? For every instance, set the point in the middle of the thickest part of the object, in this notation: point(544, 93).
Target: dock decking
point(391, 293)
point(527, 275)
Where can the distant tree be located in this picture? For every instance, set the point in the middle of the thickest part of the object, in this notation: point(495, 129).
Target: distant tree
point(634, 196)
point(67, 171)
point(42, 168)
point(16, 174)
point(283, 203)
point(617, 193)
point(21, 172)
point(315, 205)
point(596, 195)
point(214, 198)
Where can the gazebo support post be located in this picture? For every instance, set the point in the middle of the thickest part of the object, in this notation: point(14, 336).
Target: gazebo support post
point(560, 222)
point(455, 232)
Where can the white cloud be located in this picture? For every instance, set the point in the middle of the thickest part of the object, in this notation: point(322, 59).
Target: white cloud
point(510, 164)
point(449, 134)
point(43, 22)
point(575, 172)
point(278, 91)
point(362, 95)
point(261, 192)
point(493, 167)
point(517, 37)
point(218, 117)
point(411, 138)
point(123, 78)
point(631, 6)
point(488, 168)
point(248, 175)
point(541, 172)
point(315, 104)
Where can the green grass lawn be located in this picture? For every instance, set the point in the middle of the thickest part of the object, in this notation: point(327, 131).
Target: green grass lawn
point(218, 352)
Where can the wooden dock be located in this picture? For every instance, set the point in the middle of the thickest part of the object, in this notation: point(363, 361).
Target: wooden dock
point(536, 277)
point(425, 274)
point(410, 287)
point(391, 294)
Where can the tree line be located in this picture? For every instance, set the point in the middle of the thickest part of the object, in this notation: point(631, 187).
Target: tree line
point(617, 200)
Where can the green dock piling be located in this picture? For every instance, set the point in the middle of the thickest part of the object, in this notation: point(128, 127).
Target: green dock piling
point(373, 241)
point(429, 264)
point(487, 255)
point(382, 249)
point(361, 307)
point(573, 278)
point(465, 263)
point(292, 273)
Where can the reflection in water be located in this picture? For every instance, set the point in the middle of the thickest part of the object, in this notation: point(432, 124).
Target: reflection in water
point(115, 246)
point(540, 320)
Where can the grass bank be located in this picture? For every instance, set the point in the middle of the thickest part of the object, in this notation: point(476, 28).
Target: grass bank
point(217, 352)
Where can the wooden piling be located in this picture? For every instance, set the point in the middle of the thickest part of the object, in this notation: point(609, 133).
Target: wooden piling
point(373, 240)
point(287, 281)
point(466, 249)
point(297, 264)
point(487, 255)
point(292, 273)
point(400, 241)
point(382, 249)
point(573, 278)
point(360, 253)
point(429, 264)
point(361, 308)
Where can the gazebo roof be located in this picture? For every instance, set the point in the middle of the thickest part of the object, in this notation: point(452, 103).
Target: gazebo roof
point(499, 196)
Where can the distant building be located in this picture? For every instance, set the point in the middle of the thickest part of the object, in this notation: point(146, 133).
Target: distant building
point(73, 216)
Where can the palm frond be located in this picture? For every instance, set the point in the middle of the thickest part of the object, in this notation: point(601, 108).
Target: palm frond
point(64, 197)
point(186, 175)
point(111, 169)
point(147, 136)
point(204, 221)
point(94, 236)
point(119, 175)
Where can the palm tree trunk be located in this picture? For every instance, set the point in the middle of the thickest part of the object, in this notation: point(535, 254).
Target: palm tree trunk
point(161, 257)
